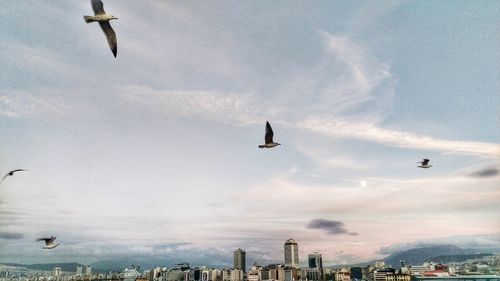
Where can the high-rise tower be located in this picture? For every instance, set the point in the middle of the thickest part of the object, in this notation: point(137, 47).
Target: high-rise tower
point(291, 253)
point(315, 260)
point(239, 259)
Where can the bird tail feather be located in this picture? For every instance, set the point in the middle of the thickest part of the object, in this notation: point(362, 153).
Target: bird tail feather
point(262, 146)
point(88, 19)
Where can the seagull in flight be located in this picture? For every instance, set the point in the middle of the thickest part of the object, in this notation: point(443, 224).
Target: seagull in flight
point(49, 242)
point(103, 19)
point(269, 138)
point(424, 164)
point(11, 173)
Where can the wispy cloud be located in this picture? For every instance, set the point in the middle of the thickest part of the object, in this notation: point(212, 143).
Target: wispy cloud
point(338, 128)
point(349, 105)
point(446, 194)
point(21, 104)
point(332, 227)
point(211, 105)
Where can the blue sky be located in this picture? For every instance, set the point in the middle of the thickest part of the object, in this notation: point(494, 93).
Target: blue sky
point(155, 152)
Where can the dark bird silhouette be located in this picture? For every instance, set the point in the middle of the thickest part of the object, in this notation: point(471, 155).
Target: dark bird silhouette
point(11, 173)
point(49, 242)
point(103, 19)
point(269, 138)
point(424, 164)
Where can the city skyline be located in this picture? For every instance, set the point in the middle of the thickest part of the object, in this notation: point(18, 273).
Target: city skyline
point(155, 153)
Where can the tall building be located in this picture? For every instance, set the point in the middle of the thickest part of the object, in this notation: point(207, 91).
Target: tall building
point(79, 270)
point(239, 259)
point(291, 253)
point(154, 273)
point(56, 272)
point(315, 260)
point(87, 270)
point(356, 272)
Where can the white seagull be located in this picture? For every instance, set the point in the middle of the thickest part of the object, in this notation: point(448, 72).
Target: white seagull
point(103, 19)
point(269, 138)
point(424, 164)
point(49, 242)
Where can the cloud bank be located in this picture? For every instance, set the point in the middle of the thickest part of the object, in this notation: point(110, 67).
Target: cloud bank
point(332, 227)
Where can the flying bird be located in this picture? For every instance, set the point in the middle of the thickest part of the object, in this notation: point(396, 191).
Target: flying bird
point(49, 242)
point(424, 164)
point(11, 173)
point(103, 19)
point(269, 138)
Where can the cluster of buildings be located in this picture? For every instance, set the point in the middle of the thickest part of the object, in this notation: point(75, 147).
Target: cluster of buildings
point(290, 270)
point(83, 273)
point(485, 269)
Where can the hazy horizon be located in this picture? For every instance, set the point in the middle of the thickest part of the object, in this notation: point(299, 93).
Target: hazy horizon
point(154, 153)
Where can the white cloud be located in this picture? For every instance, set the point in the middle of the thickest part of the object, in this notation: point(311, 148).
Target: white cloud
point(18, 103)
point(444, 194)
point(338, 128)
point(211, 105)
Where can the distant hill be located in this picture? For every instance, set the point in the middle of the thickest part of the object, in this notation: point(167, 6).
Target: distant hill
point(458, 258)
point(420, 255)
point(68, 267)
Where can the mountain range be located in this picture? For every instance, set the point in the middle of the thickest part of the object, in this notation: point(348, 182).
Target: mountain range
point(430, 253)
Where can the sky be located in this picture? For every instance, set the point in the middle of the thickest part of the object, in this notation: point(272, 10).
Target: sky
point(155, 153)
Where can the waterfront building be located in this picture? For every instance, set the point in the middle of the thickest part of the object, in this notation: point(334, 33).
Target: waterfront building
point(457, 278)
point(436, 273)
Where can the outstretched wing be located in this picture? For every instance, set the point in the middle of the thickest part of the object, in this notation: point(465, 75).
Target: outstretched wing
point(98, 7)
point(43, 239)
point(269, 133)
point(47, 241)
point(110, 36)
point(12, 173)
point(17, 170)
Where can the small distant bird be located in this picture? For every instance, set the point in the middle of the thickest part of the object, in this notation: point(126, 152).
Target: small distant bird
point(424, 164)
point(11, 173)
point(49, 242)
point(269, 138)
point(103, 19)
